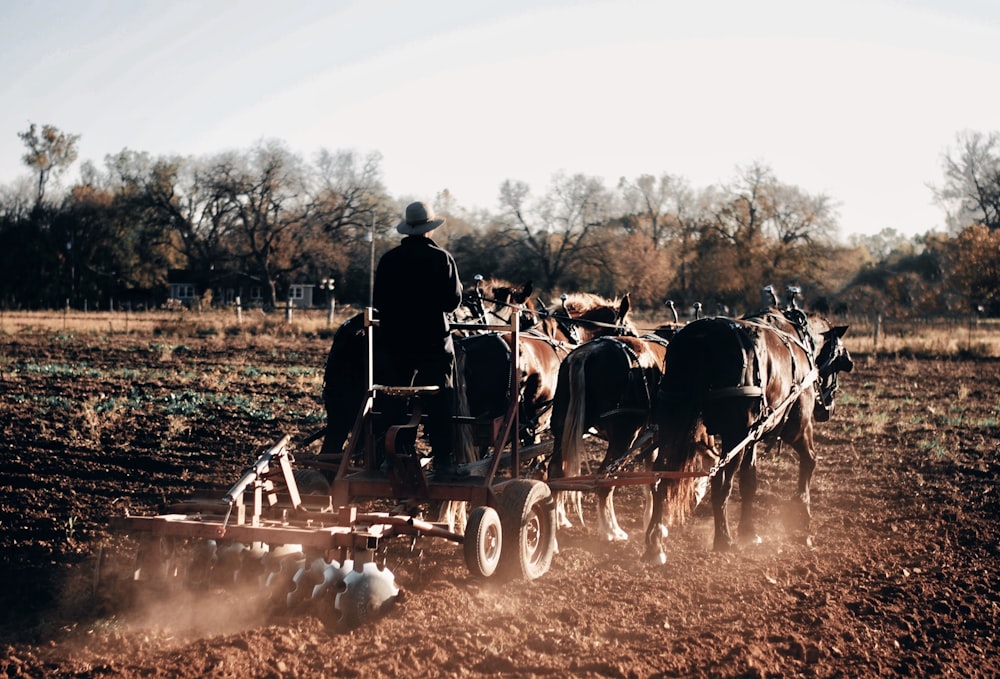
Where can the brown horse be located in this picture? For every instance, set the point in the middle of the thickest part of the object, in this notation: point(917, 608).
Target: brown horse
point(606, 386)
point(760, 378)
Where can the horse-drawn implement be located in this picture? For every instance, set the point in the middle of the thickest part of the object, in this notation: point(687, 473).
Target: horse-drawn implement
point(320, 546)
point(311, 529)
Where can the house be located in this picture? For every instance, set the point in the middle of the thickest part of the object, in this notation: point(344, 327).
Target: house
point(222, 288)
point(301, 295)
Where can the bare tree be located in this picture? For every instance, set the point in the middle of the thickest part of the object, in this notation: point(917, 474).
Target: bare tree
point(653, 205)
point(558, 230)
point(971, 189)
point(50, 153)
point(264, 197)
point(760, 232)
point(349, 193)
point(671, 215)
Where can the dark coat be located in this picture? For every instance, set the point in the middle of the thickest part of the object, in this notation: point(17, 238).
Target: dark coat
point(416, 285)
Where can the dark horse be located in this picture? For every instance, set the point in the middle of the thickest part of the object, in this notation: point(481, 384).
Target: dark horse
point(484, 380)
point(759, 378)
point(606, 386)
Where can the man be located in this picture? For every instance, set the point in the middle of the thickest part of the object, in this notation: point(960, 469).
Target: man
point(416, 286)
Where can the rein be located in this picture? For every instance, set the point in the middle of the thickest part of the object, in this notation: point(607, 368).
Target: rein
point(482, 313)
point(535, 334)
point(622, 329)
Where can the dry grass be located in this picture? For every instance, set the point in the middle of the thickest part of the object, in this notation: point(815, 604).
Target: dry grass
point(979, 339)
point(182, 323)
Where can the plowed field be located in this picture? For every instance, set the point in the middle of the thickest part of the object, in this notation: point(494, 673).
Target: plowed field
point(902, 579)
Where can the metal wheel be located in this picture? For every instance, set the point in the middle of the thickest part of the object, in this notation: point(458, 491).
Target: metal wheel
point(528, 520)
point(483, 539)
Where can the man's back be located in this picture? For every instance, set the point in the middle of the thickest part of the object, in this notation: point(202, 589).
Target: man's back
point(416, 284)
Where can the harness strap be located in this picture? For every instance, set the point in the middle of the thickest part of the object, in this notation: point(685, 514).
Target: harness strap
point(535, 334)
point(729, 392)
point(763, 425)
point(635, 367)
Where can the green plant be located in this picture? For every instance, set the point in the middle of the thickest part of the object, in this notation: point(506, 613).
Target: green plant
point(934, 447)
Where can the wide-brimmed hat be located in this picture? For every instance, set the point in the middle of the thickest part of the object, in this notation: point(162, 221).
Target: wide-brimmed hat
point(419, 218)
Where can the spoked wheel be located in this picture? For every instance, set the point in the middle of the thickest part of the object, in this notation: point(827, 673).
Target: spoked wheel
point(528, 521)
point(483, 540)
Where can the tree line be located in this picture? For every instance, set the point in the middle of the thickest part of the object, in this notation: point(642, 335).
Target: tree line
point(278, 219)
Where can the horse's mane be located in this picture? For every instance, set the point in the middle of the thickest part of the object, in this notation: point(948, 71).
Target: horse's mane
point(578, 303)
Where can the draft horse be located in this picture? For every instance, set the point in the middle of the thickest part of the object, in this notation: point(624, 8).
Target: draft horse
point(766, 376)
point(485, 384)
point(492, 301)
point(606, 386)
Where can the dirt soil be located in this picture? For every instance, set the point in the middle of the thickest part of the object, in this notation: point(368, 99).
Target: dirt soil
point(902, 578)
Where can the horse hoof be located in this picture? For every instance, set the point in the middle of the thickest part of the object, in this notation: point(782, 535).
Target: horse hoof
point(655, 557)
point(722, 545)
point(809, 542)
point(751, 541)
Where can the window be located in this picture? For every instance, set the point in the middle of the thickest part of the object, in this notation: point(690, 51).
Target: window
point(181, 291)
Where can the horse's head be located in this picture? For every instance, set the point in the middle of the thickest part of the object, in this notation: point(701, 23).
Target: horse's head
point(509, 297)
point(833, 356)
point(831, 359)
point(595, 316)
point(491, 301)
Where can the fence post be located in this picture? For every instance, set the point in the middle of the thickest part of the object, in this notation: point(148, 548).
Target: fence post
point(239, 311)
point(288, 310)
point(328, 285)
point(878, 331)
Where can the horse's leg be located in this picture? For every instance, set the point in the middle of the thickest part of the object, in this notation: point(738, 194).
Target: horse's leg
point(618, 447)
point(803, 445)
point(567, 501)
point(564, 498)
point(453, 513)
point(748, 494)
point(605, 531)
point(607, 523)
point(722, 487)
point(647, 505)
point(656, 530)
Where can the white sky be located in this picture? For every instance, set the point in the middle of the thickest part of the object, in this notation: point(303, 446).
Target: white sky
point(854, 99)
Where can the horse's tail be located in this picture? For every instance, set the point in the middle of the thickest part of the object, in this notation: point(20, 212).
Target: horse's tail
point(465, 445)
point(576, 413)
point(692, 364)
point(680, 447)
